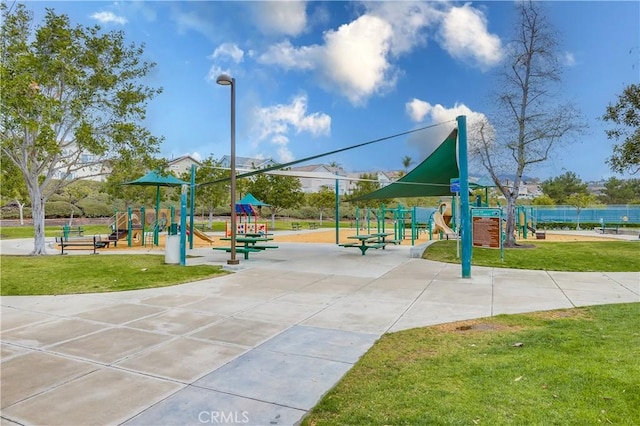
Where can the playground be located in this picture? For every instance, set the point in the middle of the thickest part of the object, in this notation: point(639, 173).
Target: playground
point(328, 236)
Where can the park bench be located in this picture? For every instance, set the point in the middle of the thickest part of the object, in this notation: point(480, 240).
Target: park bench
point(94, 243)
point(609, 229)
point(67, 230)
point(365, 245)
point(313, 225)
point(243, 250)
point(296, 226)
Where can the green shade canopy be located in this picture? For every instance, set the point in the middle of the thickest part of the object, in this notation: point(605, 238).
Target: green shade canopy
point(250, 199)
point(153, 178)
point(430, 178)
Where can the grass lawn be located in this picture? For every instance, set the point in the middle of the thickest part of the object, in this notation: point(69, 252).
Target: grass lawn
point(577, 367)
point(28, 275)
point(606, 256)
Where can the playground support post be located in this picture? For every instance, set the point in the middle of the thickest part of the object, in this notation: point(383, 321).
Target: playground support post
point(192, 197)
point(337, 212)
point(465, 220)
point(183, 226)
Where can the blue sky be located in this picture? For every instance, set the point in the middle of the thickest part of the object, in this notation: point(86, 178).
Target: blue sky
point(312, 77)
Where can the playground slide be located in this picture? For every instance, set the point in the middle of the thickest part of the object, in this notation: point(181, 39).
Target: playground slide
point(201, 235)
point(441, 224)
point(118, 235)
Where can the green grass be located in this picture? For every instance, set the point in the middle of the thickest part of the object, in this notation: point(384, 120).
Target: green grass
point(9, 232)
point(609, 256)
point(575, 367)
point(28, 275)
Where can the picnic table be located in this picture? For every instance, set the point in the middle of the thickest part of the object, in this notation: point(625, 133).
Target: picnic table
point(249, 244)
point(367, 241)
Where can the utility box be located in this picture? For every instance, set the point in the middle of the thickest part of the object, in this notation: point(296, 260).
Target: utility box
point(172, 250)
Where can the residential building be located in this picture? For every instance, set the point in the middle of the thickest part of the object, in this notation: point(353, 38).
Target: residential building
point(179, 166)
point(314, 184)
point(247, 162)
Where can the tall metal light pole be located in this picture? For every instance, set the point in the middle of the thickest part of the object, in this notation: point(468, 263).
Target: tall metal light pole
point(225, 80)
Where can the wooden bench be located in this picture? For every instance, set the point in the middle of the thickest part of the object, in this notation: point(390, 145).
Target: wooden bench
point(94, 243)
point(243, 250)
point(296, 226)
point(313, 225)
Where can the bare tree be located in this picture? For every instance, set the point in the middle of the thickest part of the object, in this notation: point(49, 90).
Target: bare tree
point(530, 120)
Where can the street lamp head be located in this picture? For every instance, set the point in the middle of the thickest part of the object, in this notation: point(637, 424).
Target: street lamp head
point(224, 80)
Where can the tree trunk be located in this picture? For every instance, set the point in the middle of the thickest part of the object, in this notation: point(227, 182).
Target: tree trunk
point(21, 212)
point(320, 217)
point(273, 220)
point(510, 240)
point(211, 218)
point(37, 212)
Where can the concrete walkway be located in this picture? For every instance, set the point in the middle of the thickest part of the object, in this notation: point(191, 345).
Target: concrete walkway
point(258, 347)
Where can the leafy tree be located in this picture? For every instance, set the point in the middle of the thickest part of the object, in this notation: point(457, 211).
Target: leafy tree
point(561, 187)
point(617, 191)
point(72, 101)
point(280, 192)
point(126, 171)
point(368, 183)
point(529, 121)
point(12, 186)
point(323, 200)
point(580, 201)
point(75, 193)
point(406, 163)
point(626, 115)
point(211, 196)
point(543, 200)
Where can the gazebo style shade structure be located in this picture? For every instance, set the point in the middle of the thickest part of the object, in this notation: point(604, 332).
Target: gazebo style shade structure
point(154, 178)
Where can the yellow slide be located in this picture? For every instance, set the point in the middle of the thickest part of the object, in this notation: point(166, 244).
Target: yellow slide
point(441, 224)
point(201, 235)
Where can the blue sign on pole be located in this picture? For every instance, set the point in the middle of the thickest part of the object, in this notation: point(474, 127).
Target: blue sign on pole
point(455, 185)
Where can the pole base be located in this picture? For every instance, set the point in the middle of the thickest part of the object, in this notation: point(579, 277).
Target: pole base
point(233, 262)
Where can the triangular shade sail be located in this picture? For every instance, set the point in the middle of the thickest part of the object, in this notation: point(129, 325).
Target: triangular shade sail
point(430, 178)
point(250, 199)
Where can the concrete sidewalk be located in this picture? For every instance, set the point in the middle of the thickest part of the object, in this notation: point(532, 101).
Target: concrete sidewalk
point(258, 347)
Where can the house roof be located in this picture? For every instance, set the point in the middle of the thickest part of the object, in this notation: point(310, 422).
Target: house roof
point(184, 157)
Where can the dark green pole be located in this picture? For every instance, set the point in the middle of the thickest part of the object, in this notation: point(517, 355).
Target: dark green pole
point(192, 204)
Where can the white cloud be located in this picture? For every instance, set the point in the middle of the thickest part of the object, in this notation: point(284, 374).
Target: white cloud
point(417, 109)
point(230, 50)
point(109, 17)
point(438, 114)
point(275, 123)
point(281, 17)
point(355, 58)
point(569, 59)
point(408, 20)
point(215, 71)
point(465, 36)
point(194, 20)
point(285, 55)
